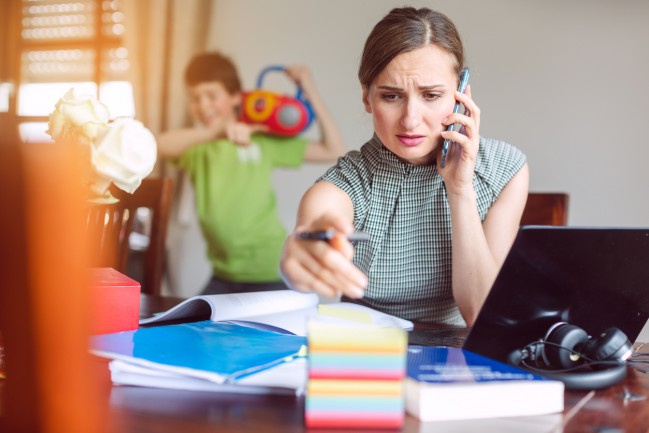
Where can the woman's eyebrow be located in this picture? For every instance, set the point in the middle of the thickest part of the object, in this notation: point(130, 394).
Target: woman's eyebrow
point(398, 89)
point(386, 87)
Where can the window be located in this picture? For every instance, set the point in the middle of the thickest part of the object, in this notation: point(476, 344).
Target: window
point(67, 44)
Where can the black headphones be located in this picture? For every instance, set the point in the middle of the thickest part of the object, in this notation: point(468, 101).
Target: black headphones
point(567, 353)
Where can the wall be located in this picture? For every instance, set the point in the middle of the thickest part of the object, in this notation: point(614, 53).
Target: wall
point(563, 80)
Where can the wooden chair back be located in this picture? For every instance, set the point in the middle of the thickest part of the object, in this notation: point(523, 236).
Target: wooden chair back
point(546, 209)
point(110, 227)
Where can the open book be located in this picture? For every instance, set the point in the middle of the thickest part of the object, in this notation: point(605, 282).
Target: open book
point(279, 310)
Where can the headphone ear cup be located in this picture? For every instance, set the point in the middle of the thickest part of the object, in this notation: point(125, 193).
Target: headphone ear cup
point(560, 346)
point(613, 345)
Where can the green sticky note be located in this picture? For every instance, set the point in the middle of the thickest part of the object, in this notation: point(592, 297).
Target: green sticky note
point(345, 313)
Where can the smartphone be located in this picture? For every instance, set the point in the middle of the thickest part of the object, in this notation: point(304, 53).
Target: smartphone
point(464, 80)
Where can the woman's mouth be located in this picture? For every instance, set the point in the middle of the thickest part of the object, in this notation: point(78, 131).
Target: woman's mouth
point(410, 140)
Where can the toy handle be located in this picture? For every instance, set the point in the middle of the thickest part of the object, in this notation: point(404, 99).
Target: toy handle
point(262, 74)
point(279, 68)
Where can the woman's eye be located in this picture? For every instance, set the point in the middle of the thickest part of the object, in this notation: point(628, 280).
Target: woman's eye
point(389, 97)
point(431, 96)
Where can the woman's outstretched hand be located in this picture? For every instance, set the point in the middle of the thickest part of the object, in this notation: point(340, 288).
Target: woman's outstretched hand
point(323, 267)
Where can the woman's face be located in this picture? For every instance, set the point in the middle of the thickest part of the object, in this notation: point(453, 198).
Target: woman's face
point(409, 99)
point(210, 101)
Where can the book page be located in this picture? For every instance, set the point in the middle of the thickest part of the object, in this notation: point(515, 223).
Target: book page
point(294, 321)
point(286, 309)
point(236, 306)
point(255, 304)
point(286, 378)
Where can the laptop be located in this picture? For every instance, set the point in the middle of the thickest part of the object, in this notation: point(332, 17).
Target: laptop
point(594, 278)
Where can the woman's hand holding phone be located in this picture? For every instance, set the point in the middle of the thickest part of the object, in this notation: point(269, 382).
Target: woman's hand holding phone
point(461, 157)
point(464, 80)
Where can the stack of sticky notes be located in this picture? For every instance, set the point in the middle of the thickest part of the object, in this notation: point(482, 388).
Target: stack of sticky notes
point(356, 374)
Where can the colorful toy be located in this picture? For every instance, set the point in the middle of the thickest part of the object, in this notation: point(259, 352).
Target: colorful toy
point(284, 115)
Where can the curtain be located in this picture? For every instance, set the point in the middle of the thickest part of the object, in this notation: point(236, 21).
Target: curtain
point(161, 37)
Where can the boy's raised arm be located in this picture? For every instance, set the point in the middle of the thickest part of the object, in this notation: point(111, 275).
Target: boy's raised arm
point(173, 143)
point(330, 146)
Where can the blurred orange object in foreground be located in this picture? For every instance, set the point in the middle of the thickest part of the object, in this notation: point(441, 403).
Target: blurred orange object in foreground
point(44, 309)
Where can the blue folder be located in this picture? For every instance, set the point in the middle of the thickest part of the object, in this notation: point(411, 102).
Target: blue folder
point(217, 351)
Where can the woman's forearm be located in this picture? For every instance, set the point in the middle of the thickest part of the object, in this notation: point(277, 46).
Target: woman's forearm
point(474, 266)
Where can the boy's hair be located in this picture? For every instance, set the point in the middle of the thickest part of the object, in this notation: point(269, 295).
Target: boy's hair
point(213, 66)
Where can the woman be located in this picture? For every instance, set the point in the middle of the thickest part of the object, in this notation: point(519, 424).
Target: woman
point(438, 235)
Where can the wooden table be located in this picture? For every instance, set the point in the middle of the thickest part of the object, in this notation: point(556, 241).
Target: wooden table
point(621, 408)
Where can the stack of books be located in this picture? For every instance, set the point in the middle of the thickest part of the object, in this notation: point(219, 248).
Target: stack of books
point(448, 384)
point(355, 377)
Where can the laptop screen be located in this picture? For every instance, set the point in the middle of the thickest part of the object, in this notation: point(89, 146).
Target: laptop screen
point(593, 278)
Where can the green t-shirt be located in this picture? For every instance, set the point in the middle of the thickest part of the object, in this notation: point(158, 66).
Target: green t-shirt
point(236, 203)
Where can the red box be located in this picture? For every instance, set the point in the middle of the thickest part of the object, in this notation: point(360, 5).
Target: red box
point(114, 301)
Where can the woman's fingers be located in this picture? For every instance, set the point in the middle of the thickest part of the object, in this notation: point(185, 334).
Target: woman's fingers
point(468, 133)
point(305, 281)
point(333, 267)
point(471, 109)
point(318, 266)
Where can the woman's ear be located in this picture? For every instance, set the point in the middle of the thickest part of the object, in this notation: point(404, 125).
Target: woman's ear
point(368, 107)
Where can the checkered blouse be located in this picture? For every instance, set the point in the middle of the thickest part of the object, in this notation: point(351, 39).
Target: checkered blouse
point(405, 210)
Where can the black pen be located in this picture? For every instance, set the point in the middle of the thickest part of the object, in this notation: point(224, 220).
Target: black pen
point(327, 235)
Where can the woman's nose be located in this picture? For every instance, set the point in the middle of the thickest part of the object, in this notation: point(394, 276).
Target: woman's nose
point(411, 116)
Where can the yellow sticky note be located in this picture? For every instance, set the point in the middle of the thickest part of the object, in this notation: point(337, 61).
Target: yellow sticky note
point(345, 313)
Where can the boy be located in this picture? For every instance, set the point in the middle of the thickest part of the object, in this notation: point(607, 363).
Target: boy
point(230, 165)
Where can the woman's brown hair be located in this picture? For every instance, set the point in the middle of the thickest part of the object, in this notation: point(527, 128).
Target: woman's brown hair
point(407, 29)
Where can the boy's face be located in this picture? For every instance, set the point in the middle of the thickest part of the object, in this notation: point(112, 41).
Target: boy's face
point(210, 101)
